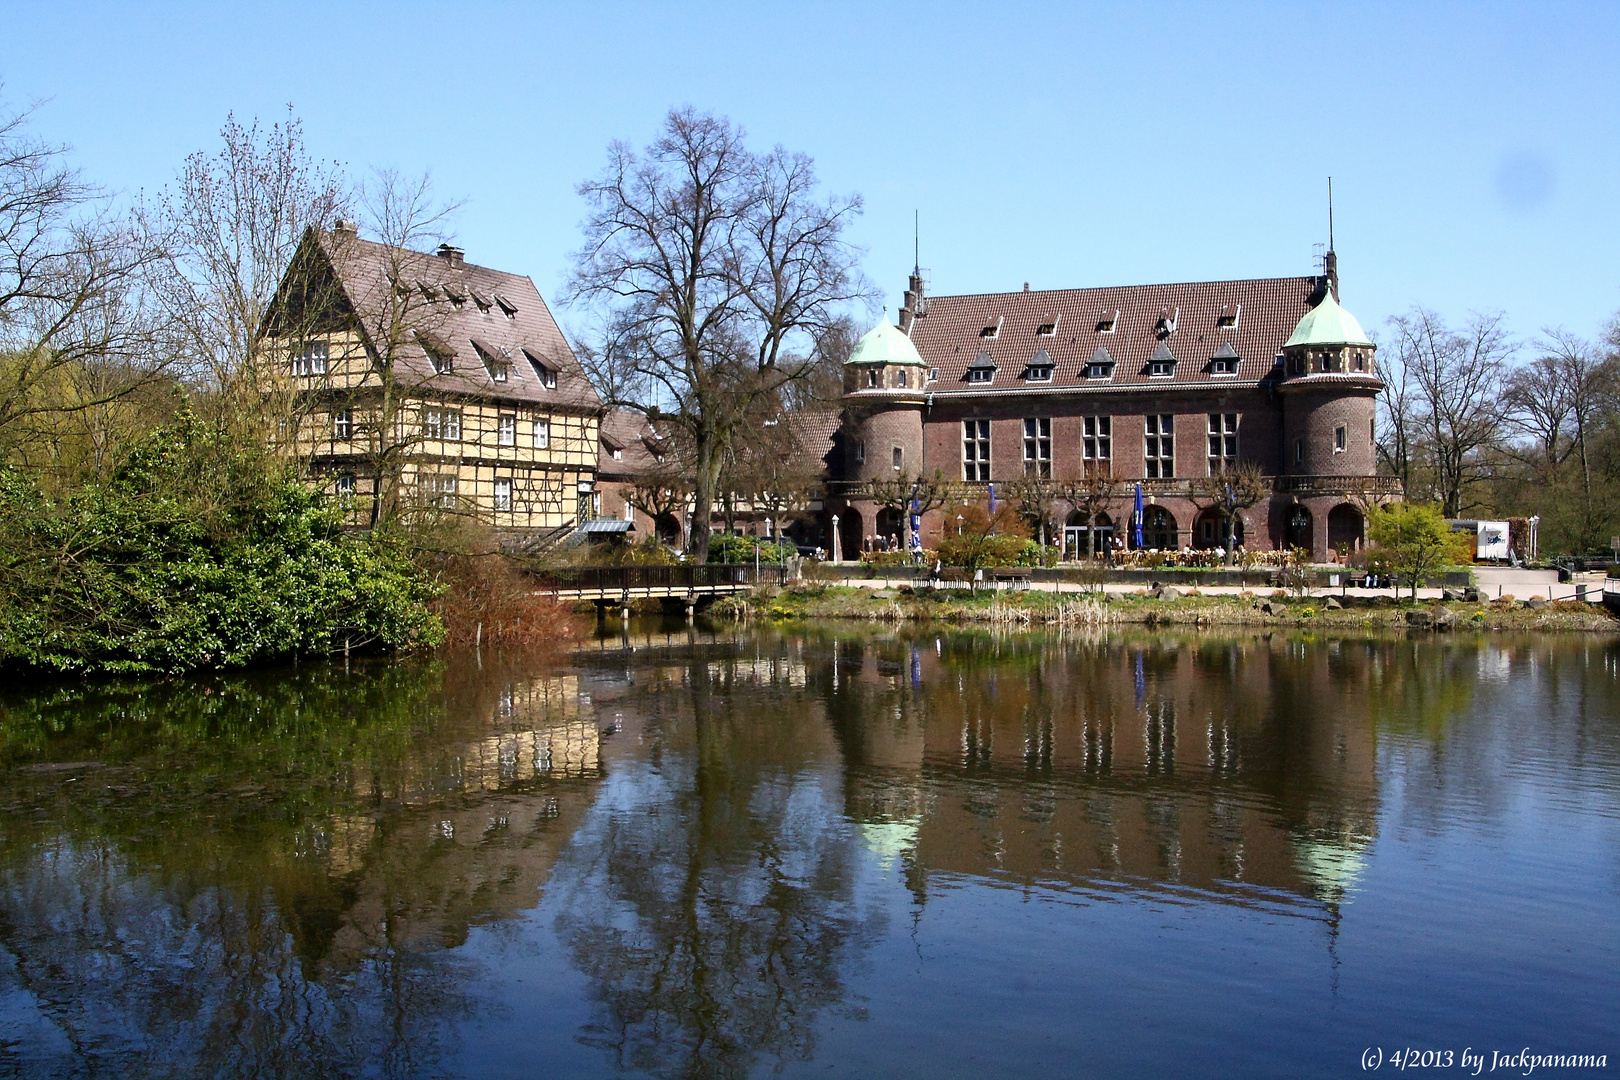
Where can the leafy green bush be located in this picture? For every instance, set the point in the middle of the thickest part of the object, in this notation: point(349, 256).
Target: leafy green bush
point(196, 554)
point(740, 549)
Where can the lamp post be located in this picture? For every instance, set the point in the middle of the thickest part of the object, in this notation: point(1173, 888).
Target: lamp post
point(958, 524)
point(837, 543)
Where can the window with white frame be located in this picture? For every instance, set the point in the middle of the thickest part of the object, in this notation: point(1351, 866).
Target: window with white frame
point(506, 429)
point(860, 452)
point(440, 489)
point(1038, 446)
point(899, 456)
point(442, 424)
point(345, 486)
point(311, 360)
point(542, 434)
point(1097, 438)
point(975, 450)
point(1160, 446)
point(1223, 442)
point(343, 424)
point(1341, 439)
point(503, 493)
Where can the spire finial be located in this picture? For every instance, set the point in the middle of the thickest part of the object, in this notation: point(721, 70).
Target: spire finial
point(916, 239)
point(1330, 213)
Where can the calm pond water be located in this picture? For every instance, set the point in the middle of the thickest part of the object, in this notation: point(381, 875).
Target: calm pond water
point(820, 851)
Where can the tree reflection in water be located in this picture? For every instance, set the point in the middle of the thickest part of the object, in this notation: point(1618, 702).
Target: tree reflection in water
point(263, 875)
point(272, 875)
point(710, 895)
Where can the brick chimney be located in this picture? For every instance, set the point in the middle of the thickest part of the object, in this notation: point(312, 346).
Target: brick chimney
point(451, 254)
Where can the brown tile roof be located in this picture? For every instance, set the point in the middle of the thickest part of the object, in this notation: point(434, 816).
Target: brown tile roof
point(949, 335)
point(630, 433)
point(816, 432)
point(367, 272)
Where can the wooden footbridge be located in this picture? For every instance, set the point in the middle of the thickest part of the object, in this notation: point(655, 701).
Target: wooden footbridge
point(690, 584)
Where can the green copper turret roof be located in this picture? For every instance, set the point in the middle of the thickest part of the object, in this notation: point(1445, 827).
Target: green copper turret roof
point(1328, 324)
point(885, 343)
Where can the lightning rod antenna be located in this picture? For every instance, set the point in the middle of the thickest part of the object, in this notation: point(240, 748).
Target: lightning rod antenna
point(916, 238)
point(1330, 213)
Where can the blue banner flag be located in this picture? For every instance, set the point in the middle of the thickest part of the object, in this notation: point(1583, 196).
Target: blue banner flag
point(1136, 518)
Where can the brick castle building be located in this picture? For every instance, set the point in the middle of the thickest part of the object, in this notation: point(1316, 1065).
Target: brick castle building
point(1152, 384)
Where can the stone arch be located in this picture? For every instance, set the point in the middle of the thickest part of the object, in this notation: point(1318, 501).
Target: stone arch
point(850, 534)
point(1299, 527)
point(667, 527)
point(1159, 529)
point(1074, 534)
point(890, 522)
point(1345, 529)
point(1208, 530)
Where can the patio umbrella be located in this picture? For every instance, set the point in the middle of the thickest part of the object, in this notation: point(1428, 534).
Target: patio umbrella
point(1136, 518)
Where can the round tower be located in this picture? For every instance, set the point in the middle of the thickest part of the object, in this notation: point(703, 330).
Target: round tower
point(884, 388)
point(1330, 388)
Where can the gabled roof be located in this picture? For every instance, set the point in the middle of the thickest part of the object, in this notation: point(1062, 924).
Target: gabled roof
point(1225, 352)
point(630, 434)
point(370, 273)
point(982, 361)
point(1162, 353)
point(948, 336)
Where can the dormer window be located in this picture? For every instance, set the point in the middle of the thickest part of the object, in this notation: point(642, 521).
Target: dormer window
point(1167, 321)
point(1162, 364)
point(1229, 315)
point(933, 374)
point(506, 306)
point(1107, 321)
point(439, 354)
point(542, 371)
point(1048, 329)
point(454, 294)
point(982, 370)
point(496, 363)
point(1101, 365)
point(1225, 360)
point(480, 299)
point(428, 292)
point(1040, 367)
point(993, 330)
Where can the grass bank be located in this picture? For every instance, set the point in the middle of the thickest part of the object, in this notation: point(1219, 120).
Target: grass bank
point(818, 601)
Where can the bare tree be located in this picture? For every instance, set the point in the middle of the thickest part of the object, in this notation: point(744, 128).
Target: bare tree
point(1230, 493)
point(78, 331)
point(1033, 494)
point(914, 495)
point(1457, 375)
point(718, 270)
point(232, 223)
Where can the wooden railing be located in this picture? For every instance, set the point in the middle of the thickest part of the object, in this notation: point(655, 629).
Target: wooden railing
point(674, 580)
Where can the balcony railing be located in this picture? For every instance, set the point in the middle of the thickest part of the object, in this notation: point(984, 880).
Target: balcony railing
point(1338, 485)
point(1371, 486)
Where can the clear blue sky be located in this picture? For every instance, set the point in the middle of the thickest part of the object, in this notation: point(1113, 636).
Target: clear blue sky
point(1475, 148)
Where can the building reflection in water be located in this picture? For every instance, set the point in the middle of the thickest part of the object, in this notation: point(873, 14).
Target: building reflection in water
point(1237, 767)
point(275, 874)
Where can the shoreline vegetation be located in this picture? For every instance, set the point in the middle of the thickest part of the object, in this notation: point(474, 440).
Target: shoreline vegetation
point(1162, 607)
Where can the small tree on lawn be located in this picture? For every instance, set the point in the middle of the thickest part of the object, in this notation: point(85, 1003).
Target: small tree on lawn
point(1413, 541)
point(984, 539)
